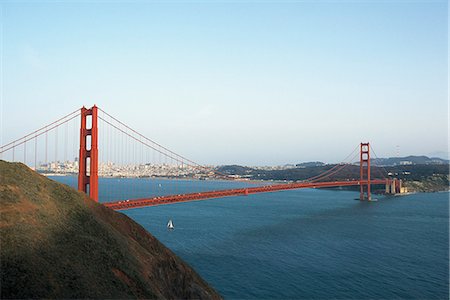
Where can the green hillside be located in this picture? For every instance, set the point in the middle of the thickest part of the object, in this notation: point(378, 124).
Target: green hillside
point(57, 243)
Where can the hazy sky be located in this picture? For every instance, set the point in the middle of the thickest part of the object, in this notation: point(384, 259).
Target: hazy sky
point(254, 83)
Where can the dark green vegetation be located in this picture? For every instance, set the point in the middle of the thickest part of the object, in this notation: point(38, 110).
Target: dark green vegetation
point(423, 178)
point(392, 161)
point(57, 243)
point(434, 183)
point(416, 160)
point(419, 178)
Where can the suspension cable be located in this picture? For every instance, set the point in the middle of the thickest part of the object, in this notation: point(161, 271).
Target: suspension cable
point(173, 155)
point(40, 129)
point(34, 136)
point(330, 174)
point(336, 166)
point(376, 156)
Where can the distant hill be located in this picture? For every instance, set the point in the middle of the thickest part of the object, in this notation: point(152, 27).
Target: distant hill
point(415, 172)
point(408, 160)
point(234, 170)
point(310, 164)
point(57, 243)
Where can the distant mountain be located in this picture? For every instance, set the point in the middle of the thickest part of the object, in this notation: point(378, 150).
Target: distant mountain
point(439, 154)
point(310, 164)
point(234, 170)
point(408, 160)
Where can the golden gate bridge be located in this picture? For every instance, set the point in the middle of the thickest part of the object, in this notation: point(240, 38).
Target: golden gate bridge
point(106, 147)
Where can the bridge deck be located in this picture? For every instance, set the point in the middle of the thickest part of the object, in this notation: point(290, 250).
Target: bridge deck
point(136, 203)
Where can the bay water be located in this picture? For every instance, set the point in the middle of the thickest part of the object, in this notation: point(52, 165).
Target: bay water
point(307, 243)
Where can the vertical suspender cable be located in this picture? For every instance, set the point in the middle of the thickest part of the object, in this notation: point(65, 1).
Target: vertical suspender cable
point(153, 173)
point(35, 153)
point(46, 149)
point(56, 145)
point(65, 141)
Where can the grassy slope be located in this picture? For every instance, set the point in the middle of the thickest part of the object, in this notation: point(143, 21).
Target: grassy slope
point(434, 183)
point(57, 243)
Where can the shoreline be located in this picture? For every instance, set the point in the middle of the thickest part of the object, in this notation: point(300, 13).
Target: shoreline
point(413, 191)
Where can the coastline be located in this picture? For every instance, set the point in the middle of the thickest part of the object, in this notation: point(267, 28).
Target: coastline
point(435, 184)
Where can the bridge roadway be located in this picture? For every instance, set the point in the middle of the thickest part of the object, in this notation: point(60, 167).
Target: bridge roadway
point(136, 203)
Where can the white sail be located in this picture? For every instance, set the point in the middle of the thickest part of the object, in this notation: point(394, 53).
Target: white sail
point(170, 225)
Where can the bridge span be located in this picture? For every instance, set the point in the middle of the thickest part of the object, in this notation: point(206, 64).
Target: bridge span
point(136, 203)
point(109, 148)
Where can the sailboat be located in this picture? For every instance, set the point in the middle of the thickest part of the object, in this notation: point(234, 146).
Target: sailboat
point(170, 225)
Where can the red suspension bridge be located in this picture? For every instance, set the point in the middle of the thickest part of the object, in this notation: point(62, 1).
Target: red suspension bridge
point(105, 147)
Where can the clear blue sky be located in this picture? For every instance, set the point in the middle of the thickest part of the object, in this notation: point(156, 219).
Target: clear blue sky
point(254, 83)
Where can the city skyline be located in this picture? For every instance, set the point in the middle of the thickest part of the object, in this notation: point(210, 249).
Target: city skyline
point(236, 83)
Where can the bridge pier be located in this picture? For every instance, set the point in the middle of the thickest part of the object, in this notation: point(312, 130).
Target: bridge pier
point(88, 159)
point(364, 170)
point(395, 186)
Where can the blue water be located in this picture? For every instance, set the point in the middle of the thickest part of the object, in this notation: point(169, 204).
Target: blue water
point(310, 243)
point(114, 189)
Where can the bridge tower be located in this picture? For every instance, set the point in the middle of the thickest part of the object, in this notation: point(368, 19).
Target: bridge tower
point(88, 159)
point(364, 170)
